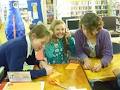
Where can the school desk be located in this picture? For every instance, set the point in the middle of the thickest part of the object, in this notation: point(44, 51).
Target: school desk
point(65, 76)
point(106, 73)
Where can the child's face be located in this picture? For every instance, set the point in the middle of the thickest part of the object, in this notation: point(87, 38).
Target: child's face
point(59, 30)
point(89, 33)
point(38, 44)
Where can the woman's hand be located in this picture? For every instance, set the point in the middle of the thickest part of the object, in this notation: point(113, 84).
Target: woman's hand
point(87, 63)
point(97, 67)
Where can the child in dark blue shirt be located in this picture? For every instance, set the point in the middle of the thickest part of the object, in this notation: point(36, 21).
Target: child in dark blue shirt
point(16, 52)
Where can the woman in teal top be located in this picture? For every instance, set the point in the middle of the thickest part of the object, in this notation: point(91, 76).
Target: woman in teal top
point(62, 45)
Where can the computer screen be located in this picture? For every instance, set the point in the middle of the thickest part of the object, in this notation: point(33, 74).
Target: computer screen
point(73, 24)
point(109, 22)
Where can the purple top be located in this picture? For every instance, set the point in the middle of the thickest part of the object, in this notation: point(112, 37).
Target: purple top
point(103, 46)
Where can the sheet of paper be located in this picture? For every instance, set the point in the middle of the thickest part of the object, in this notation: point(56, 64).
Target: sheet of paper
point(27, 67)
point(42, 84)
point(72, 66)
point(22, 86)
point(99, 76)
point(55, 74)
point(53, 78)
point(74, 88)
point(19, 76)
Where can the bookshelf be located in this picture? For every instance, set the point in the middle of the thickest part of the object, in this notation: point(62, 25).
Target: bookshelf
point(102, 7)
point(80, 8)
point(118, 24)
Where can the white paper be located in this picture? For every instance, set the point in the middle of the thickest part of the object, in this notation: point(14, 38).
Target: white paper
point(19, 76)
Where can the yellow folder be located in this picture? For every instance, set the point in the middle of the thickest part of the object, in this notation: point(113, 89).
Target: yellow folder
point(22, 86)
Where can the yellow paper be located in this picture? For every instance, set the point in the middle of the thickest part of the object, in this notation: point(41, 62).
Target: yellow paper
point(82, 89)
point(55, 74)
point(72, 66)
point(22, 86)
point(53, 78)
point(101, 75)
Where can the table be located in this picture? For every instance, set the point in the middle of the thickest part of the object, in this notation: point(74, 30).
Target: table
point(106, 73)
point(68, 78)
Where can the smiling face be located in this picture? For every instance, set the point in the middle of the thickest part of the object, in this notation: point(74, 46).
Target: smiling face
point(59, 31)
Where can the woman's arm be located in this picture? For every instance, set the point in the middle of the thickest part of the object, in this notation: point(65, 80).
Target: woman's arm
point(107, 49)
point(78, 46)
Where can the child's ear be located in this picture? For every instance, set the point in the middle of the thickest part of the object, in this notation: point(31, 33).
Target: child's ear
point(33, 36)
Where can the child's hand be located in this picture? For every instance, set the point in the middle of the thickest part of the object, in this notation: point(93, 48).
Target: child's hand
point(43, 63)
point(49, 69)
point(67, 34)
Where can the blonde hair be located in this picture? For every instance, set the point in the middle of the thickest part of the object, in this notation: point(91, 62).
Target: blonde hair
point(54, 23)
point(52, 27)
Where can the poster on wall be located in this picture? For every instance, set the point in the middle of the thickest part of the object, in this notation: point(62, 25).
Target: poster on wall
point(35, 11)
point(34, 6)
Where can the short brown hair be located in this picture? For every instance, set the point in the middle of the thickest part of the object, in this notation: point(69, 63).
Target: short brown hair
point(91, 21)
point(40, 31)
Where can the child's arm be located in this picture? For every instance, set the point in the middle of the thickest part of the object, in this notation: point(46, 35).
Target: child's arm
point(41, 72)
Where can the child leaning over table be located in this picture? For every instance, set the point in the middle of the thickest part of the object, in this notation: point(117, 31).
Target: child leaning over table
point(15, 53)
point(62, 44)
point(92, 40)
